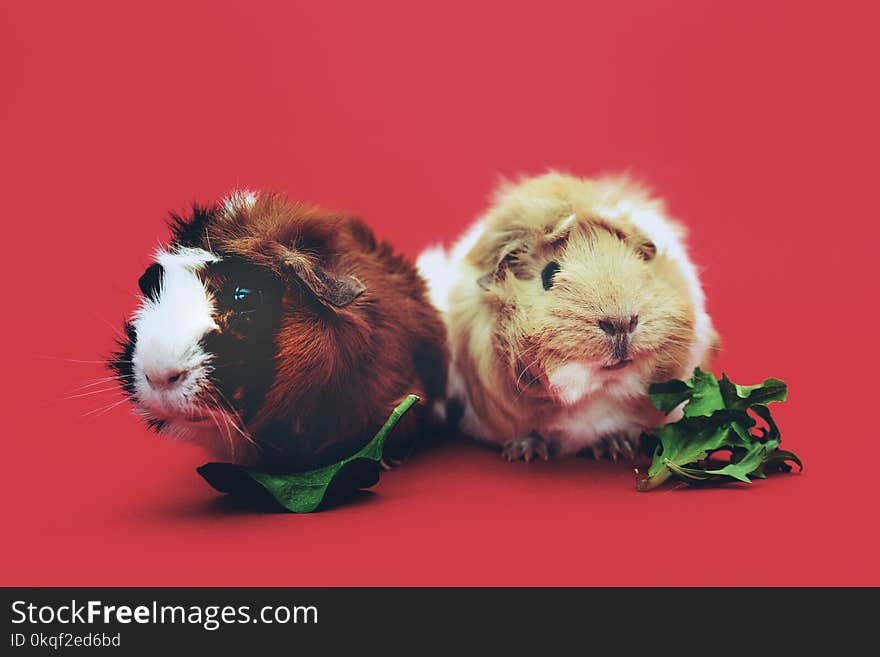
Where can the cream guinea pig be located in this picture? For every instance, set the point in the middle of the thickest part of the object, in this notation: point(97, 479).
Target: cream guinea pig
point(562, 304)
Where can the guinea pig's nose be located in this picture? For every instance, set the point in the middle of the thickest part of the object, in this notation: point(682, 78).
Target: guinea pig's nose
point(165, 379)
point(618, 325)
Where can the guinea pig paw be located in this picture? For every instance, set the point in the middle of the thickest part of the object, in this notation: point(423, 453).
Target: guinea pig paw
point(528, 449)
point(616, 446)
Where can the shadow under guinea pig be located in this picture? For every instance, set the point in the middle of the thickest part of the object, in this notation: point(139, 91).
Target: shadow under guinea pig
point(231, 505)
point(221, 505)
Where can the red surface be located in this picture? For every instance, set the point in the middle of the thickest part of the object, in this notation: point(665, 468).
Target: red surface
point(757, 120)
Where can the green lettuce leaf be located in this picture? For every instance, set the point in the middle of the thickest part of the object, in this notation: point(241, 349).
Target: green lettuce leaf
point(742, 397)
point(701, 392)
point(718, 416)
point(305, 492)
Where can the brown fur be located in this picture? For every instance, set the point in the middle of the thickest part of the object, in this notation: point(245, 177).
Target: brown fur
point(340, 369)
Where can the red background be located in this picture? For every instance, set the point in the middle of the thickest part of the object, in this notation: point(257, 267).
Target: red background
point(756, 120)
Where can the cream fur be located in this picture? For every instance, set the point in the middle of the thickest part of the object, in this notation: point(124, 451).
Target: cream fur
point(525, 359)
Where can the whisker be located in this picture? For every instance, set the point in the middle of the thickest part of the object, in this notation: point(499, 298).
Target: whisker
point(78, 360)
point(232, 445)
point(113, 327)
point(526, 369)
point(225, 431)
point(528, 385)
point(235, 413)
point(96, 382)
point(91, 392)
point(216, 417)
point(669, 356)
point(105, 409)
point(242, 432)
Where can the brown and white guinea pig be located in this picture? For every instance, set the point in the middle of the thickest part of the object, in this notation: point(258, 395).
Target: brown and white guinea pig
point(280, 335)
point(562, 304)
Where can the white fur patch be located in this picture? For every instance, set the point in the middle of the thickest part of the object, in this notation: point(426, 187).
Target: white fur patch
point(169, 330)
point(596, 404)
point(573, 381)
point(433, 265)
point(241, 199)
point(441, 269)
point(582, 426)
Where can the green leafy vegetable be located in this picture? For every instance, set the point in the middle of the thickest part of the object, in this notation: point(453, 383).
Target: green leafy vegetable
point(718, 417)
point(304, 492)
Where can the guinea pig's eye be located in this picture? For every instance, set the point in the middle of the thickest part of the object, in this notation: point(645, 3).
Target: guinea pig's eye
point(548, 273)
point(246, 300)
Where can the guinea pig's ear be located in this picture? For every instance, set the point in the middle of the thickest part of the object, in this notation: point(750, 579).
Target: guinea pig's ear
point(644, 248)
point(635, 240)
point(330, 289)
point(497, 256)
point(335, 290)
point(559, 232)
point(338, 291)
point(647, 250)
